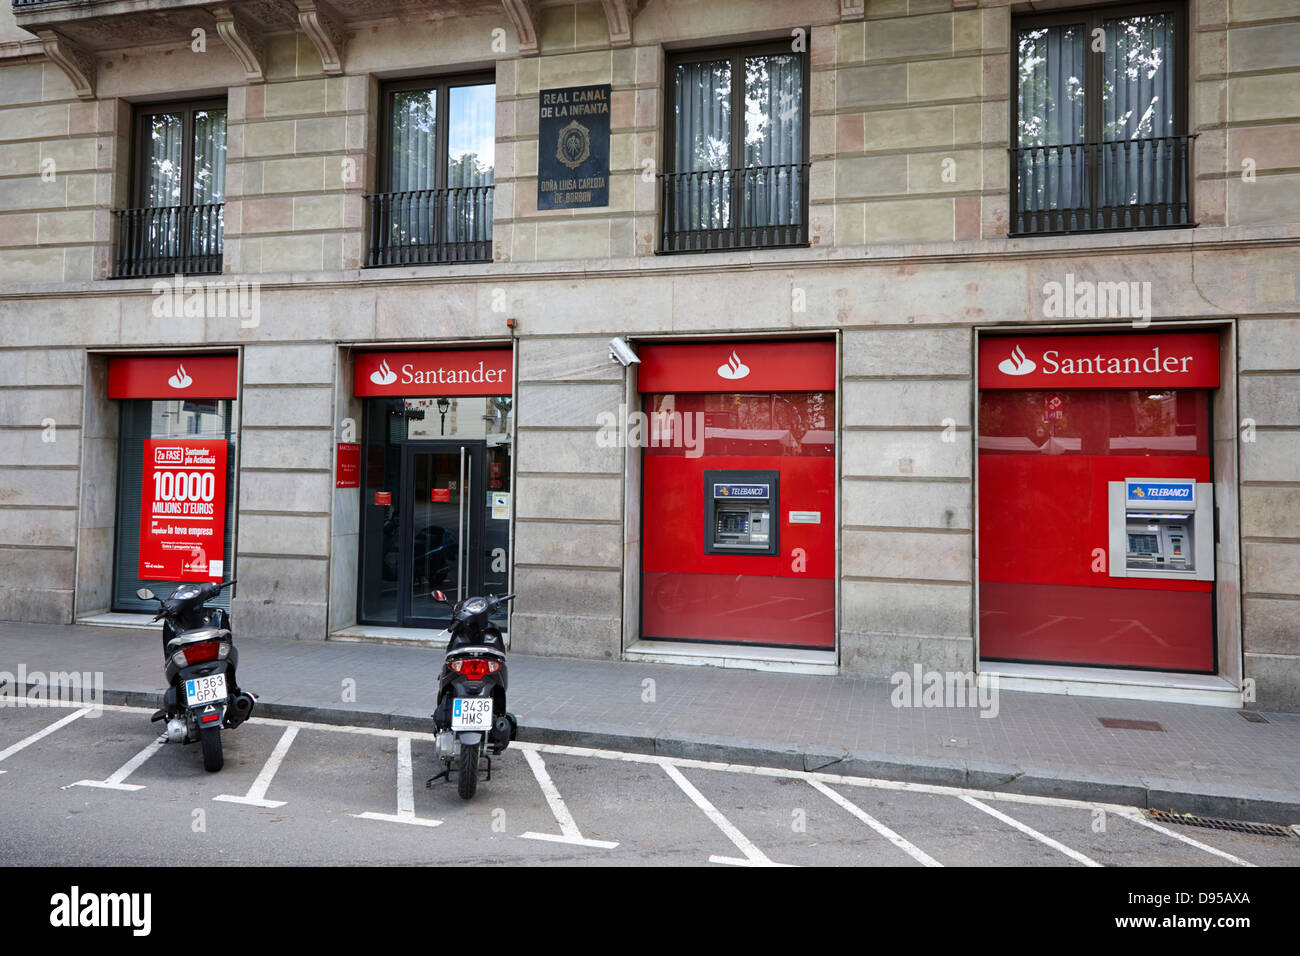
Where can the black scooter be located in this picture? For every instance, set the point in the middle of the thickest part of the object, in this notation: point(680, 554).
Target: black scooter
point(471, 716)
point(200, 660)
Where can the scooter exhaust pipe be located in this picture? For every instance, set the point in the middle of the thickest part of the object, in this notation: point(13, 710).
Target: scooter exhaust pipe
point(241, 709)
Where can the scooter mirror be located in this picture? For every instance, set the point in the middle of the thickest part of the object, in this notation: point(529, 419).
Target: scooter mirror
point(439, 597)
point(144, 594)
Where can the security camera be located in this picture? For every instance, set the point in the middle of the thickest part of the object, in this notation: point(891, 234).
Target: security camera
point(621, 352)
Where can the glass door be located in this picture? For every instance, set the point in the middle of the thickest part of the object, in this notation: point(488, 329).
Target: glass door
point(442, 539)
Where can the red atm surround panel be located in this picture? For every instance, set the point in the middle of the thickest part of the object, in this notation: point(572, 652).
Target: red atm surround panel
point(764, 406)
point(1045, 458)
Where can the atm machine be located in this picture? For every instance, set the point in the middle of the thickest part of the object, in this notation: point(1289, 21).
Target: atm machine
point(741, 512)
point(1164, 528)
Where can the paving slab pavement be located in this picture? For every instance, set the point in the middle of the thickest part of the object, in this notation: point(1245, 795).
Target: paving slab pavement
point(1205, 760)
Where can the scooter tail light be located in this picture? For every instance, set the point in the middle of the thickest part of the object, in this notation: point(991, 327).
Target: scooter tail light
point(475, 668)
point(198, 653)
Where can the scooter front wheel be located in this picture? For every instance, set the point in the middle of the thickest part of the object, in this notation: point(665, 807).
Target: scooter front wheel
point(210, 739)
point(467, 772)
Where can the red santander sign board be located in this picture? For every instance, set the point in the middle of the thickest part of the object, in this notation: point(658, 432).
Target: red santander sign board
point(1125, 360)
point(728, 366)
point(453, 372)
point(183, 510)
point(173, 376)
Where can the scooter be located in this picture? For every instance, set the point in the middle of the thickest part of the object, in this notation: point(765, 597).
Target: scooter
point(471, 717)
point(200, 661)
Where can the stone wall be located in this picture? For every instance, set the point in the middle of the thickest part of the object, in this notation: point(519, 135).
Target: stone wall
point(906, 262)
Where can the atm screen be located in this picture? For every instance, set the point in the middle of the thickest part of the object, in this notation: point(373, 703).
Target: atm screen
point(1143, 544)
point(733, 522)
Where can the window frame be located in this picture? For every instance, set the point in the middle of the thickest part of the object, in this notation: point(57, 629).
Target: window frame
point(140, 151)
point(737, 54)
point(1091, 18)
point(442, 86)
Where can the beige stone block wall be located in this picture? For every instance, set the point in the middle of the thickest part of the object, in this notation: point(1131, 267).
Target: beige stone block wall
point(575, 50)
point(569, 495)
point(909, 126)
point(56, 157)
point(300, 157)
point(1269, 449)
point(1245, 106)
point(41, 425)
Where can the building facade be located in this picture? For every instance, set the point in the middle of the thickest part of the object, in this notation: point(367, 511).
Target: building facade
point(839, 336)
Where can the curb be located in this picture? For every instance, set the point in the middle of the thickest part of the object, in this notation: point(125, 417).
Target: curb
point(1254, 805)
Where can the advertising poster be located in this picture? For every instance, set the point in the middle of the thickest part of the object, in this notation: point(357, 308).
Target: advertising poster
point(183, 509)
point(347, 470)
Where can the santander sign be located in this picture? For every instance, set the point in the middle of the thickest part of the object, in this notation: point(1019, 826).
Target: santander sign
point(451, 372)
point(1126, 360)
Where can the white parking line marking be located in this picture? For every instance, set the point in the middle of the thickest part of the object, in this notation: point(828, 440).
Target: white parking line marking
point(753, 855)
point(907, 847)
point(1130, 813)
point(1137, 817)
point(256, 796)
point(28, 741)
point(569, 829)
point(405, 792)
point(131, 766)
point(1030, 831)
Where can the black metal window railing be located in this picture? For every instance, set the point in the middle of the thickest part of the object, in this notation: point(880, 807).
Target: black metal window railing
point(166, 240)
point(750, 208)
point(1095, 187)
point(430, 226)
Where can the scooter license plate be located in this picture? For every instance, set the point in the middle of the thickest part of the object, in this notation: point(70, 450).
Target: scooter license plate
point(205, 690)
point(472, 713)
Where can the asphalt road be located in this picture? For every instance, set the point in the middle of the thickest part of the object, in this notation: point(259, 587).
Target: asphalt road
point(97, 791)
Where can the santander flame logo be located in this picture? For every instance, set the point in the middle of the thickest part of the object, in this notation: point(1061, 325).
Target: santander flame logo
point(181, 378)
point(1018, 363)
point(384, 375)
point(733, 368)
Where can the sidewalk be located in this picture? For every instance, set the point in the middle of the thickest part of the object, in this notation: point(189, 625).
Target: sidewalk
point(1207, 761)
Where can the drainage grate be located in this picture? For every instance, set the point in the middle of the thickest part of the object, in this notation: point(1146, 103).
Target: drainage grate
point(1253, 717)
point(1124, 723)
point(1236, 826)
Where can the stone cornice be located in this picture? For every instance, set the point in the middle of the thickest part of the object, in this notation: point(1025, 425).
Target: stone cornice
point(244, 42)
point(325, 30)
point(72, 60)
point(523, 16)
point(619, 19)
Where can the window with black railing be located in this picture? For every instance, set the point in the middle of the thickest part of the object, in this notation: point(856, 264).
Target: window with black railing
point(737, 142)
point(178, 190)
point(1100, 120)
point(437, 174)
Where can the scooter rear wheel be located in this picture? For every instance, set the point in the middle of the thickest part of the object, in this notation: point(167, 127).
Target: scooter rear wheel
point(467, 772)
point(210, 740)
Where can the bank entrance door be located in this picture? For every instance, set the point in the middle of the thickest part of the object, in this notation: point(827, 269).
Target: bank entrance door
point(444, 533)
point(431, 531)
